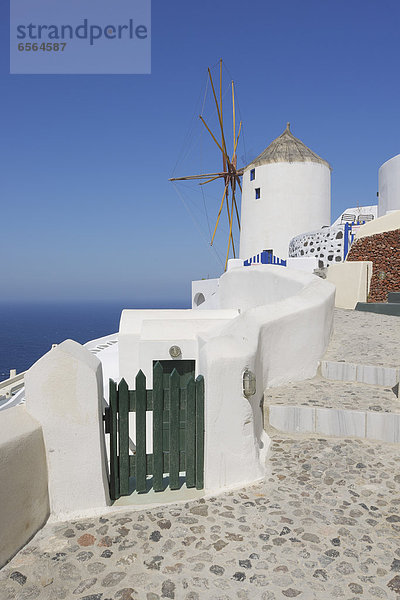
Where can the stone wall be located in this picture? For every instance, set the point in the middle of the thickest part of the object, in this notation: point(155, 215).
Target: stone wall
point(324, 244)
point(383, 249)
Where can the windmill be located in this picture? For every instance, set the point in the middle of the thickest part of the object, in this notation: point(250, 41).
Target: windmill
point(230, 174)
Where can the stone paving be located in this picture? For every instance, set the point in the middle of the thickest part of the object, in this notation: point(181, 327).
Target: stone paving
point(334, 394)
point(324, 523)
point(365, 338)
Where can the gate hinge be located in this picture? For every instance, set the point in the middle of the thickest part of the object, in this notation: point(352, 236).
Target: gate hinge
point(106, 419)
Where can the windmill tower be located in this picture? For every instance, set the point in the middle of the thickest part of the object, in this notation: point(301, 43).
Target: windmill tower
point(286, 191)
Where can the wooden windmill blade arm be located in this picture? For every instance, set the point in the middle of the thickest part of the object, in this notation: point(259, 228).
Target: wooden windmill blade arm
point(237, 139)
point(201, 176)
point(222, 114)
point(215, 140)
point(212, 179)
point(227, 208)
point(219, 214)
point(230, 233)
point(237, 214)
point(234, 121)
point(224, 150)
point(238, 181)
point(231, 225)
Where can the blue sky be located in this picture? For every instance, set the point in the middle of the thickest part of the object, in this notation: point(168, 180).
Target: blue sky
point(87, 211)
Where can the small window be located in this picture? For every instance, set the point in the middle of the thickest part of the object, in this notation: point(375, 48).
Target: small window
point(252, 174)
point(258, 194)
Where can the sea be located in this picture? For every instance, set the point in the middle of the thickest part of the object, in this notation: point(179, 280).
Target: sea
point(28, 330)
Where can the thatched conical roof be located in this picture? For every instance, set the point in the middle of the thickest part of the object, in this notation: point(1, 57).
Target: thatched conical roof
point(287, 148)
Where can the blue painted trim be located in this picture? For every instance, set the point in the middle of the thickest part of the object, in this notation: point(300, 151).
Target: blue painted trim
point(266, 257)
point(346, 240)
point(349, 236)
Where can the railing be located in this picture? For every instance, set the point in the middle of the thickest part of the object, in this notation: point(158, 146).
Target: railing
point(266, 257)
point(350, 230)
point(12, 385)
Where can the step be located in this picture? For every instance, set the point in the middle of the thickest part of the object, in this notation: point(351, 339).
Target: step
point(381, 308)
point(341, 409)
point(370, 374)
point(394, 297)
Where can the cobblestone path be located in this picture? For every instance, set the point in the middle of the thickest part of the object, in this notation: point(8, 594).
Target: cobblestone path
point(324, 523)
point(366, 338)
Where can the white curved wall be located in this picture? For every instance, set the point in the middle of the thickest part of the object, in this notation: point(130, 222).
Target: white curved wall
point(280, 341)
point(294, 198)
point(257, 285)
point(389, 186)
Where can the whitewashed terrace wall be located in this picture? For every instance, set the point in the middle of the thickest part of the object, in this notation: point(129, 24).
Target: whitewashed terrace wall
point(24, 502)
point(280, 335)
point(204, 294)
point(64, 392)
point(327, 245)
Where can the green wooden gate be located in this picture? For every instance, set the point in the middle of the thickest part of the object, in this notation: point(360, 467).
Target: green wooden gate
point(177, 405)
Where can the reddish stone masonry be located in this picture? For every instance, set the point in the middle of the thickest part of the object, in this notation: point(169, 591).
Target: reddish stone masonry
point(383, 249)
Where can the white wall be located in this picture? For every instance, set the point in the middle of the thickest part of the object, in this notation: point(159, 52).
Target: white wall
point(208, 288)
point(326, 245)
point(280, 342)
point(295, 197)
point(64, 392)
point(307, 263)
point(24, 502)
point(388, 222)
point(352, 280)
point(258, 285)
point(389, 186)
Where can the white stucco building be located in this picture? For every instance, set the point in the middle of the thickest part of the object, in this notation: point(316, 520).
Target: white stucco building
point(389, 186)
point(286, 191)
point(357, 214)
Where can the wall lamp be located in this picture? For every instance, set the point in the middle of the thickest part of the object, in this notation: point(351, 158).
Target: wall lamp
point(249, 383)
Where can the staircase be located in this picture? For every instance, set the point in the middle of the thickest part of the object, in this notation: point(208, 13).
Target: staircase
point(355, 393)
point(391, 307)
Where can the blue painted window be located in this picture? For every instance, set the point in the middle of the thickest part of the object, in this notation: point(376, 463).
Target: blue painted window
point(252, 174)
point(258, 194)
